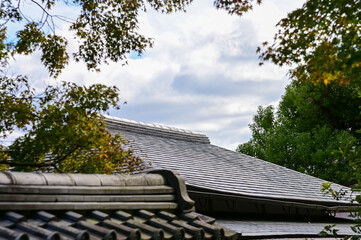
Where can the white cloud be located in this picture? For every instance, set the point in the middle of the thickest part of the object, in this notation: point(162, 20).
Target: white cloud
point(11, 136)
point(202, 73)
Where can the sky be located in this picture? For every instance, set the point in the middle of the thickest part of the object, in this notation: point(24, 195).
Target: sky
point(202, 73)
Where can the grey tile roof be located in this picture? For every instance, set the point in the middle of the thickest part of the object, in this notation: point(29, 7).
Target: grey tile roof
point(211, 167)
point(280, 229)
point(156, 130)
point(93, 206)
point(137, 224)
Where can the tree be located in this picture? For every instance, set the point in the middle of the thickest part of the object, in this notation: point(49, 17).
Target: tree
point(321, 40)
point(105, 30)
point(321, 43)
point(262, 127)
point(313, 131)
point(64, 131)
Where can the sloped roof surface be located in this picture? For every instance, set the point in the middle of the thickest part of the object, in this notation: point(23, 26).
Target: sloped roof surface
point(92, 206)
point(211, 167)
point(265, 229)
point(134, 225)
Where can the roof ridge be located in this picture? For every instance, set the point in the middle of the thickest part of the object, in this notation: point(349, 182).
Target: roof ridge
point(79, 179)
point(123, 124)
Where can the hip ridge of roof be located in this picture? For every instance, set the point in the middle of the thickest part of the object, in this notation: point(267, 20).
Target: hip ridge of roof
point(122, 124)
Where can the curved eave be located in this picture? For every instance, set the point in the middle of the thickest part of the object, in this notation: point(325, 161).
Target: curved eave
point(335, 206)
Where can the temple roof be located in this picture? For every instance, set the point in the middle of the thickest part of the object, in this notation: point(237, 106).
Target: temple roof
point(206, 166)
point(95, 206)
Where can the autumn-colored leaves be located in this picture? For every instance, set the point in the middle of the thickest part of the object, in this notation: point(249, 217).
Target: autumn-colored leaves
point(63, 129)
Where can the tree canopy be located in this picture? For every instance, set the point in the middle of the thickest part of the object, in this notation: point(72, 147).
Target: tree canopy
point(63, 127)
point(106, 30)
point(321, 41)
point(64, 130)
point(313, 131)
point(316, 128)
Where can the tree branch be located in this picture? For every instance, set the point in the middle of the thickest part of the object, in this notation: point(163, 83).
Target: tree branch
point(52, 28)
point(24, 164)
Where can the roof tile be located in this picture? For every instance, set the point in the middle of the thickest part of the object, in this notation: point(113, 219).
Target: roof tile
point(44, 211)
point(209, 167)
point(155, 130)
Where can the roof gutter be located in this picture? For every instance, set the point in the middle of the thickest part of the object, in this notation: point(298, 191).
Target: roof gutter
point(330, 209)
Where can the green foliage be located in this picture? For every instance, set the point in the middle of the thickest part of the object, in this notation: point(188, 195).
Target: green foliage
point(262, 128)
point(235, 7)
point(16, 101)
point(322, 39)
point(327, 188)
point(329, 230)
point(313, 131)
point(106, 30)
point(317, 122)
point(64, 130)
point(355, 212)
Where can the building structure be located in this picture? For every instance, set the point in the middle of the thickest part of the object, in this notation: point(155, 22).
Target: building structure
point(153, 206)
point(234, 187)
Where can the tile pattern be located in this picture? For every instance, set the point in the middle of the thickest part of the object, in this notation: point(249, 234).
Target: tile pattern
point(214, 168)
point(267, 229)
point(155, 130)
point(49, 191)
point(138, 224)
point(153, 206)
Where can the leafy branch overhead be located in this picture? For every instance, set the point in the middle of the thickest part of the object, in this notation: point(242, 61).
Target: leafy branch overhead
point(64, 130)
point(322, 40)
point(106, 30)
